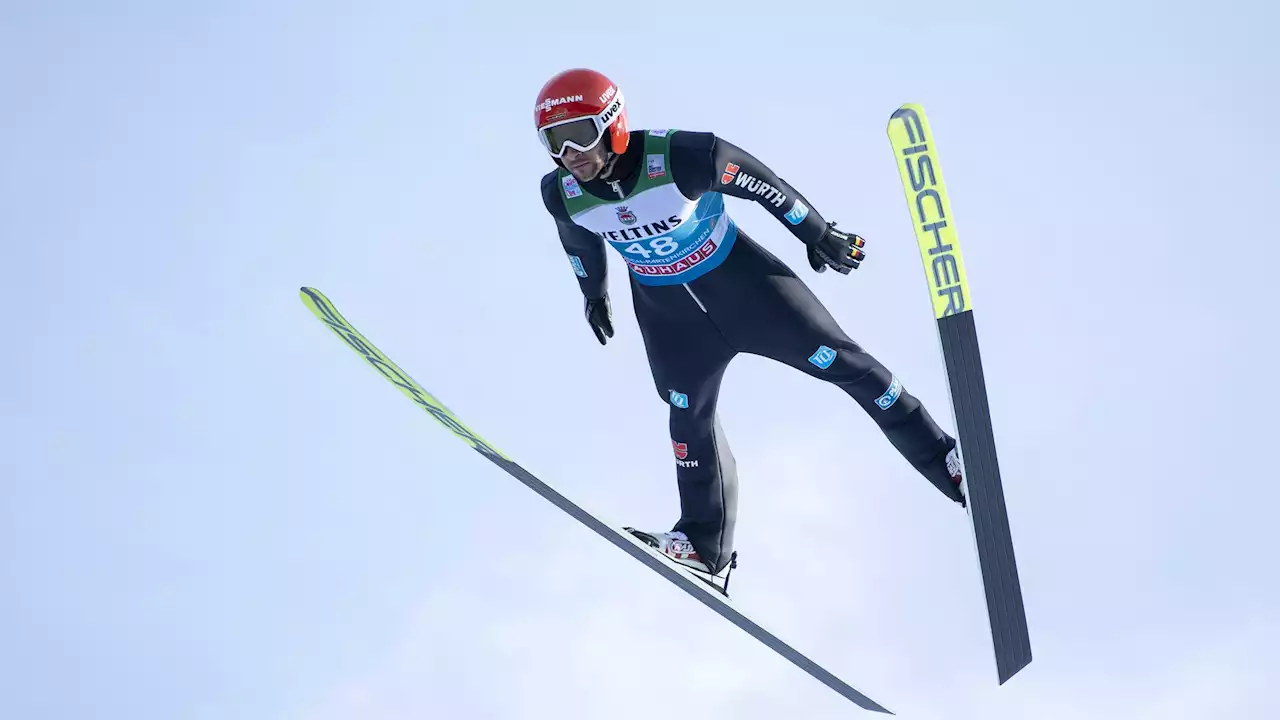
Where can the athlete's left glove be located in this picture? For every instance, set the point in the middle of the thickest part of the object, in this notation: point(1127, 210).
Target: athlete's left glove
point(599, 316)
point(838, 250)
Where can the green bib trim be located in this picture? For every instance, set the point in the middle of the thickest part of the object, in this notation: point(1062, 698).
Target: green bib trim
point(655, 171)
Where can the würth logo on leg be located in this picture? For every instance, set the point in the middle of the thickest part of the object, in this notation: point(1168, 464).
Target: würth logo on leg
point(682, 453)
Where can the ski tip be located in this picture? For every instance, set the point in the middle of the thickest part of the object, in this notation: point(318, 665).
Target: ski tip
point(906, 109)
point(868, 704)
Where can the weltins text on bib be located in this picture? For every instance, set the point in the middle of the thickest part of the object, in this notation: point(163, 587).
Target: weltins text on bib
point(675, 248)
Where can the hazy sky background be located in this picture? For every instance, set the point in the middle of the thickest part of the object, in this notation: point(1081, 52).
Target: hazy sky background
point(210, 508)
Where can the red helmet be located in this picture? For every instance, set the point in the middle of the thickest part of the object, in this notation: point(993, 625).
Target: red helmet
point(575, 109)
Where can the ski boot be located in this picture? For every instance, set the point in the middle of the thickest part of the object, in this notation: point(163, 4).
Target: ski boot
point(956, 470)
point(676, 547)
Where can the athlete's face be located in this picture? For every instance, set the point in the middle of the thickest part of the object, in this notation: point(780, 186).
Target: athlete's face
point(585, 165)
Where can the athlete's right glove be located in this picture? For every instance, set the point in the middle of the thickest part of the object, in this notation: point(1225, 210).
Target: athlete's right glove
point(838, 250)
point(599, 316)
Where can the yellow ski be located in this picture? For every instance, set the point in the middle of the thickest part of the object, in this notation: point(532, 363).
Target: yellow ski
point(916, 154)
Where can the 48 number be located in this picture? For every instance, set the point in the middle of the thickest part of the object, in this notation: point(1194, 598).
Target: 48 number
point(658, 246)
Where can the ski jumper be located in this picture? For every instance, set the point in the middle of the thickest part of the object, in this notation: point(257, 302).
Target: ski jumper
point(704, 291)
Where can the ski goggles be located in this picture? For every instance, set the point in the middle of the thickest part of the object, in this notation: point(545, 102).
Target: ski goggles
point(582, 133)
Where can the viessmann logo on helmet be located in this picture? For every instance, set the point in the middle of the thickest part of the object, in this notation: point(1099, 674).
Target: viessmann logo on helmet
point(548, 103)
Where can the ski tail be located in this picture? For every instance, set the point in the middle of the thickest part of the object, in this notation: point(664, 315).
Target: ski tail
point(988, 514)
point(704, 592)
point(916, 155)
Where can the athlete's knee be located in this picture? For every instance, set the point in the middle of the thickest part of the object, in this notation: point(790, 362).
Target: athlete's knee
point(879, 390)
point(886, 394)
point(848, 365)
point(677, 399)
point(696, 404)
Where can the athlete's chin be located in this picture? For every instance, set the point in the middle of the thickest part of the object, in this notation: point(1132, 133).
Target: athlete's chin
point(585, 172)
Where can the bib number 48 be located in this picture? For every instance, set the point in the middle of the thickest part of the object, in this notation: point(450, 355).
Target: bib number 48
point(658, 246)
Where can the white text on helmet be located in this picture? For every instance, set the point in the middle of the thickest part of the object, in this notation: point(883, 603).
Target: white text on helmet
point(608, 94)
point(612, 110)
point(548, 103)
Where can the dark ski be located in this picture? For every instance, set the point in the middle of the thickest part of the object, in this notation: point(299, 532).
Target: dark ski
point(628, 543)
point(916, 155)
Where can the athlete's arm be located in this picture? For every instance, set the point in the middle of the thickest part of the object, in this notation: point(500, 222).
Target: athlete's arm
point(585, 249)
point(702, 162)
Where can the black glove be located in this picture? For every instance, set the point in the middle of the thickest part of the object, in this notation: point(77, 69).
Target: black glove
point(599, 317)
point(838, 250)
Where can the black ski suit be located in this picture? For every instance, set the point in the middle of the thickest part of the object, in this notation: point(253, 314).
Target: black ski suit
point(750, 303)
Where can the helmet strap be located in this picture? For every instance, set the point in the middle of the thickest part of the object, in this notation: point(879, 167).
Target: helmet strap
point(607, 170)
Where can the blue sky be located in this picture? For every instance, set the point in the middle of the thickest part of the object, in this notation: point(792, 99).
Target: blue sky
point(210, 508)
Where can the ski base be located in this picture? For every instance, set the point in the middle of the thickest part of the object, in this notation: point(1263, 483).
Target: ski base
point(985, 493)
point(702, 591)
point(917, 160)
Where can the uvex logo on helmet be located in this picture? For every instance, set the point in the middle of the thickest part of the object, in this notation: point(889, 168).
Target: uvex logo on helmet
point(548, 103)
point(609, 112)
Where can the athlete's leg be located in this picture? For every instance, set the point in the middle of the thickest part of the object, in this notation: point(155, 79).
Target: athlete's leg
point(782, 319)
point(688, 358)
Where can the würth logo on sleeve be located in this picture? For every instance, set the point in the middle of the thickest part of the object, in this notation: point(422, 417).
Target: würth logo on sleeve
point(732, 176)
point(759, 187)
